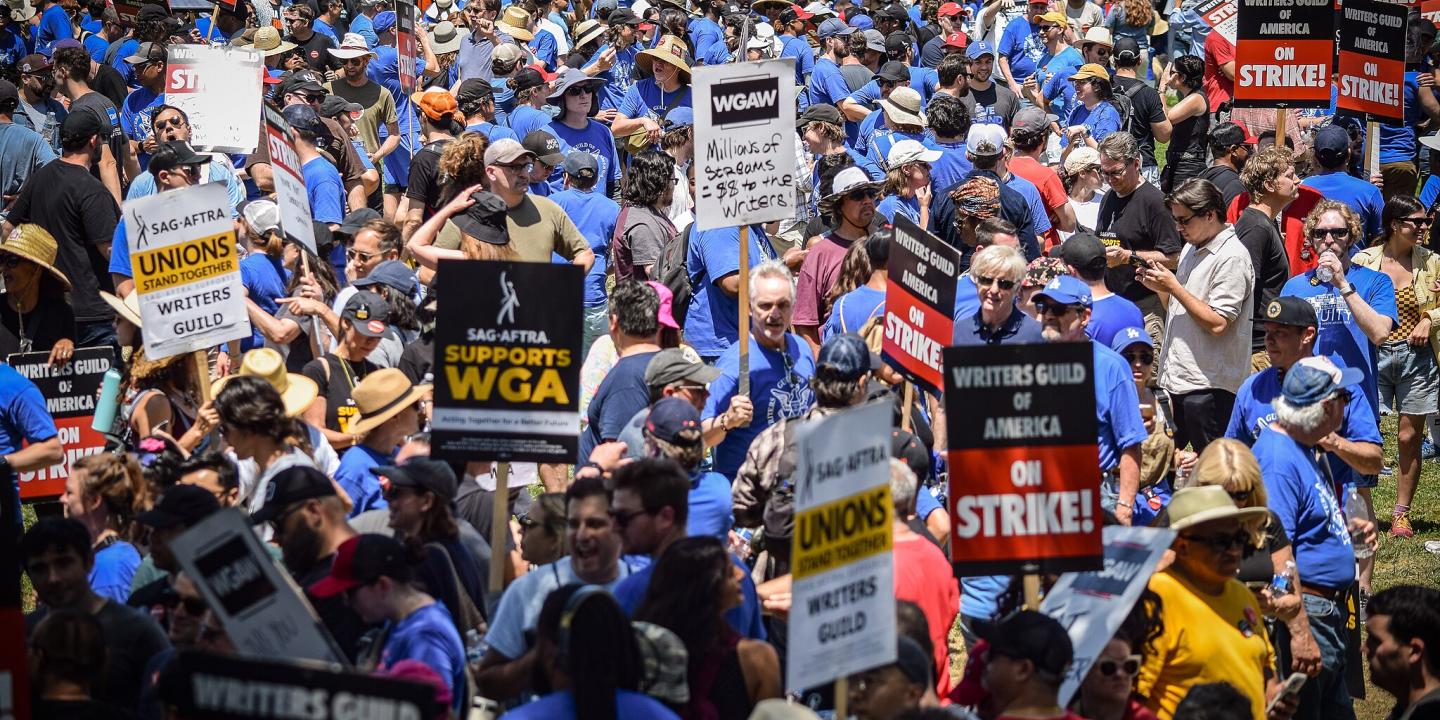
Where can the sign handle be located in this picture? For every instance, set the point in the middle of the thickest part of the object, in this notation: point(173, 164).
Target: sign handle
point(1280, 126)
point(214, 15)
point(842, 697)
point(201, 359)
point(1032, 591)
point(744, 339)
point(499, 525)
point(1372, 148)
point(314, 321)
point(909, 400)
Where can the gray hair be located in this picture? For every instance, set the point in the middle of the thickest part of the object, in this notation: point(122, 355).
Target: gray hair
point(1120, 147)
point(1305, 418)
point(903, 486)
point(773, 269)
point(998, 261)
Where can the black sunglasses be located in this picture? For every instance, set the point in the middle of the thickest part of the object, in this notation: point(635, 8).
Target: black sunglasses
point(194, 606)
point(1141, 357)
point(579, 90)
point(1130, 665)
point(1222, 543)
point(10, 262)
point(623, 519)
point(1043, 307)
point(985, 282)
point(1419, 221)
point(1337, 233)
point(865, 194)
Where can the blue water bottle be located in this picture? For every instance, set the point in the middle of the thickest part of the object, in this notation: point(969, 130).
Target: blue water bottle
point(105, 410)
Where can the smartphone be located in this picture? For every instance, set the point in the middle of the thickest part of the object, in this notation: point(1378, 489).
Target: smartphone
point(1138, 261)
point(1291, 688)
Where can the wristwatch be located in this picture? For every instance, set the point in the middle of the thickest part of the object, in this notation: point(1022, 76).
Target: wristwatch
point(1348, 291)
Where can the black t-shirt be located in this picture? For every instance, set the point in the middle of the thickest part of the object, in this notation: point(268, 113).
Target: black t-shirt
point(50, 321)
point(1225, 178)
point(131, 639)
point(991, 104)
point(336, 384)
point(79, 710)
point(1262, 238)
point(111, 132)
point(316, 52)
point(80, 213)
point(1147, 109)
point(109, 82)
point(417, 360)
point(1257, 567)
point(425, 179)
point(1142, 221)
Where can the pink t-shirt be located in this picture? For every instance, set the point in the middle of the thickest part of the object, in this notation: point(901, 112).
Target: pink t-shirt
point(817, 276)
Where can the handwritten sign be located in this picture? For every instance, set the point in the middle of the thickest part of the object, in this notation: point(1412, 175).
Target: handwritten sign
point(744, 143)
point(70, 391)
point(217, 87)
point(294, 202)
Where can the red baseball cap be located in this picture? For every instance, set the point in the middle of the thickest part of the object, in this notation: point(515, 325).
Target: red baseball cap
point(950, 8)
point(539, 67)
point(800, 12)
point(362, 560)
point(1250, 138)
point(957, 39)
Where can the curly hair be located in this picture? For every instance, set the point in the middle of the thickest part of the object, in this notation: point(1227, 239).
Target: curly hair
point(651, 174)
point(118, 482)
point(1352, 221)
point(1264, 168)
point(1191, 70)
point(1138, 13)
point(462, 163)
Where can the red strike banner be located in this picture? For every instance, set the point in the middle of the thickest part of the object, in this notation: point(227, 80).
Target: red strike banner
point(919, 303)
point(1372, 60)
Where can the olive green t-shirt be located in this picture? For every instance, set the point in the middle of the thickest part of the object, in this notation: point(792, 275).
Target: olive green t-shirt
point(379, 110)
point(538, 227)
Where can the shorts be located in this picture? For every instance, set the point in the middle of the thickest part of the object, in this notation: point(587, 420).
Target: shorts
point(396, 170)
point(1408, 378)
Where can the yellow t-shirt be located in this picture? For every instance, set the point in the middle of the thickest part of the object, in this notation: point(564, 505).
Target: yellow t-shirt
point(1207, 639)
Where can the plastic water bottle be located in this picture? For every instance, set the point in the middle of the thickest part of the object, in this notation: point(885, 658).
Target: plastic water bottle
point(105, 410)
point(1284, 581)
point(1323, 273)
point(1356, 517)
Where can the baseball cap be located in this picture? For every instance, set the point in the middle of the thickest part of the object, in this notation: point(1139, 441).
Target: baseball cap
point(1067, 289)
point(79, 126)
point(173, 154)
point(1227, 134)
point(146, 52)
point(845, 357)
point(335, 106)
point(912, 661)
point(950, 9)
point(545, 147)
point(362, 560)
point(505, 151)
point(1314, 378)
point(833, 27)
point(352, 222)
point(980, 48)
point(384, 21)
point(1290, 310)
point(894, 71)
point(304, 117)
point(8, 91)
point(581, 164)
point(180, 505)
point(289, 486)
point(985, 139)
point(1081, 158)
point(526, 78)
point(862, 22)
point(673, 365)
point(874, 41)
point(678, 118)
point(957, 39)
point(392, 273)
point(1084, 251)
point(34, 64)
point(1091, 70)
point(1126, 49)
point(62, 44)
point(908, 151)
point(1033, 636)
point(892, 12)
point(1030, 120)
point(665, 314)
point(485, 220)
point(1056, 17)
point(820, 112)
point(1131, 336)
point(474, 89)
point(262, 214)
point(623, 16)
point(435, 102)
point(907, 448)
point(794, 13)
point(422, 472)
point(898, 42)
point(674, 420)
point(152, 11)
point(1331, 144)
point(366, 311)
point(300, 82)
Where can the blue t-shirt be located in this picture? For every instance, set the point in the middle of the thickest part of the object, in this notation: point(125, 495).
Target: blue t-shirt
point(646, 99)
point(597, 140)
point(1361, 196)
point(892, 205)
point(779, 388)
point(1027, 189)
point(621, 394)
point(713, 323)
point(1022, 45)
point(618, 78)
point(745, 619)
point(710, 510)
point(1304, 501)
point(325, 190)
point(1060, 92)
point(828, 86)
point(492, 131)
point(967, 298)
point(872, 127)
point(852, 310)
point(525, 119)
point(13, 47)
point(1339, 333)
point(359, 483)
point(23, 416)
point(54, 25)
point(561, 705)
point(705, 32)
point(322, 27)
point(96, 45)
point(951, 168)
point(22, 150)
point(980, 595)
point(1110, 315)
point(594, 216)
point(1254, 411)
point(136, 114)
point(798, 48)
point(114, 568)
point(1101, 121)
point(1397, 142)
point(1117, 406)
point(1430, 191)
point(264, 279)
point(362, 25)
point(881, 143)
point(429, 636)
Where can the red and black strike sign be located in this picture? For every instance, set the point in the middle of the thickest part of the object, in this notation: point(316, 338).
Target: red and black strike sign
point(405, 43)
point(1372, 60)
point(1024, 481)
point(919, 303)
point(1283, 53)
point(70, 392)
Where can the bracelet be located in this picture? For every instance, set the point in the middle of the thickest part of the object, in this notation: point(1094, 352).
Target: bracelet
point(721, 421)
point(1122, 503)
point(1348, 291)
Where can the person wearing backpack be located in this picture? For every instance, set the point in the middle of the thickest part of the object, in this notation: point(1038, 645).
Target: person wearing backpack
point(1142, 112)
point(1094, 115)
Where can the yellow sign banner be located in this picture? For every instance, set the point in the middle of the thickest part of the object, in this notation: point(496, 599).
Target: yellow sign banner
point(184, 263)
point(847, 530)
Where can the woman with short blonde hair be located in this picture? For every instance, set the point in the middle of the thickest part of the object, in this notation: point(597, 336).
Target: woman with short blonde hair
point(997, 271)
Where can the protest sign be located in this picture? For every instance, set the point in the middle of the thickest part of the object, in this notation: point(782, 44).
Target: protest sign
point(1430, 9)
point(919, 300)
point(1024, 481)
point(1092, 605)
point(70, 392)
point(744, 143)
point(262, 611)
point(225, 687)
point(1372, 60)
point(187, 269)
point(1220, 15)
point(842, 614)
point(290, 192)
point(507, 362)
point(1284, 53)
point(210, 84)
point(405, 43)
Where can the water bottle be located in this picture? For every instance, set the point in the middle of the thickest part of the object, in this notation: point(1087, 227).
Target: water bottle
point(1356, 516)
point(1284, 581)
point(105, 410)
point(1323, 273)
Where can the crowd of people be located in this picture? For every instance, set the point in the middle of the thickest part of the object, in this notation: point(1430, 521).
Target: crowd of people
point(1255, 299)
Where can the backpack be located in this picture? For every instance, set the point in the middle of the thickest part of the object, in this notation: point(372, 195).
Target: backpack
point(778, 517)
point(672, 271)
point(1125, 105)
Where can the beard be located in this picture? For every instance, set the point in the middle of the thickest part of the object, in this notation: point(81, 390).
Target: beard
point(300, 551)
point(1050, 334)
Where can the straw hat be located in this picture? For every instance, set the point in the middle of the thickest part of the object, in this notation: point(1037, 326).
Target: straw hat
point(670, 50)
point(1202, 504)
point(904, 107)
point(269, 43)
point(381, 396)
point(515, 23)
point(296, 391)
point(587, 31)
point(444, 38)
point(354, 45)
point(129, 308)
point(37, 245)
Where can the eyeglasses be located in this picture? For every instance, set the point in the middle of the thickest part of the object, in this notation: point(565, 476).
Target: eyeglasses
point(1222, 543)
point(352, 254)
point(1130, 665)
point(294, 19)
point(1337, 233)
point(517, 168)
point(1419, 221)
point(193, 605)
point(578, 90)
point(1143, 357)
point(1240, 496)
point(1043, 307)
point(1117, 172)
point(984, 282)
point(865, 194)
point(9, 262)
point(1183, 222)
point(623, 519)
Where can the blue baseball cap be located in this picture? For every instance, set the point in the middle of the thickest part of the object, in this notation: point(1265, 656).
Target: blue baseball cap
point(393, 273)
point(674, 420)
point(977, 49)
point(1312, 379)
point(304, 117)
point(1131, 336)
point(845, 357)
point(833, 27)
point(678, 118)
point(383, 21)
point(1067, 289)
point(862, 22)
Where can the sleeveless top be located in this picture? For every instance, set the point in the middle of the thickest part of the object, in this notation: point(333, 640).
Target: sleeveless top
point(1185, 157)
point(717, 686)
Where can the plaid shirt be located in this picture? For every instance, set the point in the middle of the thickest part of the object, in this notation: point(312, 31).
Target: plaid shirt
point(761, 472)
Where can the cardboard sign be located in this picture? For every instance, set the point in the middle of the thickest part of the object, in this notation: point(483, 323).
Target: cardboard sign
point(405, 44)
point(1284, 53)
point(1220, 15)
point(212, 85)
point(919, 303)
point(1024, 481)
point(744, 143)
point(187, 269)
point(70, 392)
point(842, 618)
point(1372, 60)
point(1092, 605)
point(262, 610)
point(290, 194)
point(225, 687)
point(507, 362)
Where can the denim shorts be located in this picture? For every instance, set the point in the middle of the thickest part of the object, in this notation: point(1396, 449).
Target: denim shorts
point(1408, 378)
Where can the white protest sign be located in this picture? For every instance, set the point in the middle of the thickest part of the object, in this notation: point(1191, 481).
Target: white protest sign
point(744, 143)
point(219, 88)
point(187, 269)
point(842, 618)
point(290, 193)
point(262, 611)
point(1091, 605)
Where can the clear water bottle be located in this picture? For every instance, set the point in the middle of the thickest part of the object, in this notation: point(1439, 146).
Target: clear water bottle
point(1356, 517)
point(1323, 273)
point(1284, 581)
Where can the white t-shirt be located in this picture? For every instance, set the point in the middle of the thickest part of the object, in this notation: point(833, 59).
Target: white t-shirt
point(519, 608)
point(1087, 214)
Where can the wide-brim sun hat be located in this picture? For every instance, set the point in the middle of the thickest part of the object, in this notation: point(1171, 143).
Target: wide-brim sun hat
point(1198, 505)
point(570, 77)
point(297, 392)
point(381, 396)
point(129, 308)
point(671, 50)
point(512, 23)
point(846, 181)
point(587, 31)
point(268, 42)
point(36, 244)
point(444, 38)
point(904, 107)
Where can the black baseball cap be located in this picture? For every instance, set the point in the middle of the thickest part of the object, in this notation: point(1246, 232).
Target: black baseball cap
point(1084, 250)
point(1127, 51)
point(623, 16)
point(352, 222)
point(820, 112)
point(674, 420)
point(1290, 310)
point(173, 154)
point(79, 126)
point(423, 473)
point(289, 486)
point(474, 89)
point(180, 505)
point(366, 311)
point(9, 92)
point(1033, 636)
point(1229, 134)
point(898, 42)
point(845, 357)
point(582, 164)
point(545, 146)
point(485, 220)
point(894, 71)
point(300, 82)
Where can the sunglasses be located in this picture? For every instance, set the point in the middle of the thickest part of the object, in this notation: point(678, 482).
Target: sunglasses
point(866, 194)
point(1322, 233)
point(1130, 665)
point(1222, 543)
point(1043, 307)
point(363, 256)
point(984, 282)
point(1419, 221)
point(1240, 496)
point(174, 122)
point(10, 262)
point(1140, 357)
point(395, 491)
point(518, 167)
point(194, 606)
point(623, 519)
point(578, 90)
